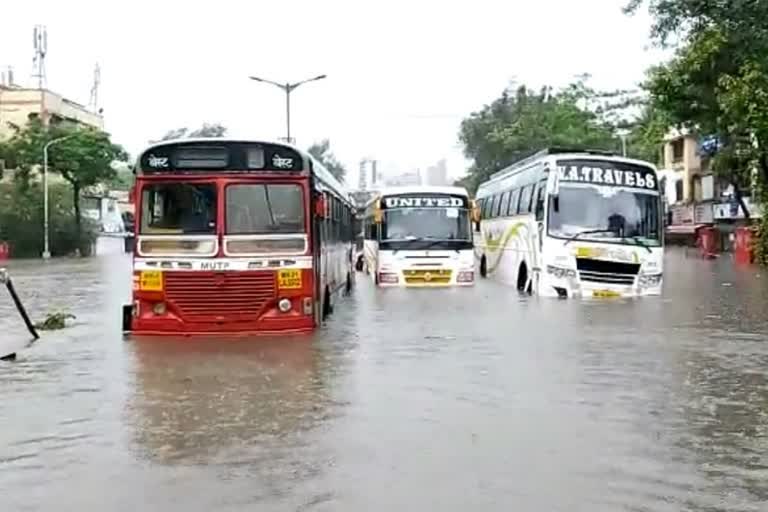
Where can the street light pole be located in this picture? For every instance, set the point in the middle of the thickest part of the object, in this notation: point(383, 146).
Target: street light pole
point(288, 89)
point(46, 247)
point(288, 114)
point(623, 134)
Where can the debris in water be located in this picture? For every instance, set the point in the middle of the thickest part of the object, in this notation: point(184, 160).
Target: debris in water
point(54, 321)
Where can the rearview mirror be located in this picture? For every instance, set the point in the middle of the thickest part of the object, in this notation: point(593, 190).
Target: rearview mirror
point(321, 206)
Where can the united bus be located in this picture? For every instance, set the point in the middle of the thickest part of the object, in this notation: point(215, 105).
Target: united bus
point(419, 236)
point(572, 223)
point(236, 236)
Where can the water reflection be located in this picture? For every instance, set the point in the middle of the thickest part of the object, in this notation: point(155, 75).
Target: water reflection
point(197, 401)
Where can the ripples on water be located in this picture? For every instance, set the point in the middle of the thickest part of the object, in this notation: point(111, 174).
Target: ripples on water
point(421, 399)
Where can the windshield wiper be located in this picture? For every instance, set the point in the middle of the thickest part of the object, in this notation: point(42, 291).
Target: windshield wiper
point(587, 232)
point(432, 241)
point(639, 242)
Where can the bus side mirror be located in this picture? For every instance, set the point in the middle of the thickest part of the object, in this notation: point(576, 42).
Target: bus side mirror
point(556, 203)
point(321, 206)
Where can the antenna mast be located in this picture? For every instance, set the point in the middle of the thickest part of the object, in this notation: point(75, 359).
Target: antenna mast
point(40, 44)
point(94, 101)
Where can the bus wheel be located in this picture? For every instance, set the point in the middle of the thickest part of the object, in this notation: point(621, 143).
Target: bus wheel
point(327, 307)
point(348, 287)
point(522, 279)
point(483, 267)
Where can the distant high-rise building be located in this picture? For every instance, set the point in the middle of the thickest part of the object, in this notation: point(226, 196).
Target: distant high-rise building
point(437, 175)
point(405, 179)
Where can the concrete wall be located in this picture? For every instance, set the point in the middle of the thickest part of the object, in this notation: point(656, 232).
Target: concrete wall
point(17, 106)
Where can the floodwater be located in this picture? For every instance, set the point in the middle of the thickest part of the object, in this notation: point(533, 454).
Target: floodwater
point(453, 400)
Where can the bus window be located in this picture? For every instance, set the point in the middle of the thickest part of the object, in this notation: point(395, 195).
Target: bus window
point(178, 208)
point(505, 203)
point(495, 206)
point(254, 209)
point(515, 199)
point(525, 199)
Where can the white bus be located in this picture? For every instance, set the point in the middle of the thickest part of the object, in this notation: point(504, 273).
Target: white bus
point(419, 236)
point(568, 223)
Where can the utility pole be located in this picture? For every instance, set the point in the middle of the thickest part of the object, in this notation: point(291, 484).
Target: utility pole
point(46, 247)
point(288, 88)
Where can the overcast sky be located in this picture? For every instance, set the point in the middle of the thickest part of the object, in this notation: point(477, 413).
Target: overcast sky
point(401, 74)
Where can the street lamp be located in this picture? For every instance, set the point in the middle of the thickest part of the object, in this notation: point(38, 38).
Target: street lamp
point(46, 248)
point(623, 134)
point(288, 89)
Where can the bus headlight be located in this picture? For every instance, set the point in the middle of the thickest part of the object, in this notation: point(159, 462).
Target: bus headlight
point(560, 272)
point(159, 308)
point(650, 280)
point(284, 305)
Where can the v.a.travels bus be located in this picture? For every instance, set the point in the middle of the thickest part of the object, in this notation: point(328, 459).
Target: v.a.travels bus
point(236, 236)
point(419, 236)
point(573, 223)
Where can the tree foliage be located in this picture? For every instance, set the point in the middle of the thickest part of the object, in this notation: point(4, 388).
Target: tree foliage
point(83, 156)
point(523, 121)
point(322, 152)
point(206, 130)
point(21, 220)
point(717, 82)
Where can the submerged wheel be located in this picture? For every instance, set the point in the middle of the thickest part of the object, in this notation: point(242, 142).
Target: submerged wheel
point(483, 267)
point(348, 286)
point(327, 307)
point(522, 280)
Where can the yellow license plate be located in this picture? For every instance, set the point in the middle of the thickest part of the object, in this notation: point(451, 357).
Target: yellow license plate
point(605, 293)
point(151, 281)
point(289, 279)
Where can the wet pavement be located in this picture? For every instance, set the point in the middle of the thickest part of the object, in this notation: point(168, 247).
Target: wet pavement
point(411, 400)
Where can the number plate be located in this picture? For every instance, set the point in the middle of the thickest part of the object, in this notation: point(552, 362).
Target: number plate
point(151, 281)
point(605, 293)
point(289, 279)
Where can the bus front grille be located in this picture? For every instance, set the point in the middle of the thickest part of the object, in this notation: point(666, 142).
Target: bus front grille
point(607, 272)
point(201, 295)
point(428, 276)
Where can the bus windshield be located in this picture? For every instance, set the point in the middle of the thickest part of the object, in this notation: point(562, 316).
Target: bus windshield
point(609, 214)
point(260, 209)
point(403, 224)
point(178, 209)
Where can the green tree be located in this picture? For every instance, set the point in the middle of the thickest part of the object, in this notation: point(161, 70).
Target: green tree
point(523, 121)
point(717, 83)
point(83, 157)
point(322, 152)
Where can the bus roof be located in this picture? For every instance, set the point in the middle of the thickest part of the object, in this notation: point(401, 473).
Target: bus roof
point(323, 175)
point(562, 153)
point(418, 189)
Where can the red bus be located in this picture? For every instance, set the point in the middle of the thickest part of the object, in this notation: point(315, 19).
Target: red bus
point(236, 236)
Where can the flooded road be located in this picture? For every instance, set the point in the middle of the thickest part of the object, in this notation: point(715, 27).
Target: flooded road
point(410, 400)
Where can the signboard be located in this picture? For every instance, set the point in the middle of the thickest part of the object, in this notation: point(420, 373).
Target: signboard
point(220, 156)
point(424, 201)
point(607, 173)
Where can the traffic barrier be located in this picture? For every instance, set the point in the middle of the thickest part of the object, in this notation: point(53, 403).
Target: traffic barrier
point(707, 238)
point(743, 248)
